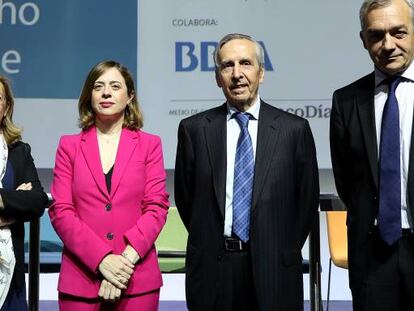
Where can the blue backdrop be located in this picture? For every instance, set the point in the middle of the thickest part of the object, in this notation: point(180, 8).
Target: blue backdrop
point(58, 41)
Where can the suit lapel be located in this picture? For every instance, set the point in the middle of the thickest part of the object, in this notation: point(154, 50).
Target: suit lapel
point(215, 134)
point(126, 147)
point(267, 139)
point(90, 151)
point(365, 106)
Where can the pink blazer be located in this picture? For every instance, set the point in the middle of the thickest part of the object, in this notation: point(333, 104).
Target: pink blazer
point(93, 223)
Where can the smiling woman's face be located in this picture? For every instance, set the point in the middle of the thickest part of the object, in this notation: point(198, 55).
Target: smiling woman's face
point(110, 94)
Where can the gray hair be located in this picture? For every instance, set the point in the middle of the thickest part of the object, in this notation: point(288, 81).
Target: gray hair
point(369, 5)
point(233, 36)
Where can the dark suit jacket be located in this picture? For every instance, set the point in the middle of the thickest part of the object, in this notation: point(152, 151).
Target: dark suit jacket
point(285, 199)
point(21, 205)
point(355, 165)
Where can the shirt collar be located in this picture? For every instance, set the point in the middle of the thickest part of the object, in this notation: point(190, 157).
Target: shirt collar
point(253, 110)
point(407, 74)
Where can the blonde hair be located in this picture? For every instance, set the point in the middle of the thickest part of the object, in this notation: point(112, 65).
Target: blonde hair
point(11, 132)
point(133, 118)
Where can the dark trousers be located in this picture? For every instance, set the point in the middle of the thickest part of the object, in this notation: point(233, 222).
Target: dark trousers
point(236, 287)
point(390, 282)
point(15, 300)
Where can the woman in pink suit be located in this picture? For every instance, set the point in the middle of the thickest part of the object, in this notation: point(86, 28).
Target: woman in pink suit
point(110, 202)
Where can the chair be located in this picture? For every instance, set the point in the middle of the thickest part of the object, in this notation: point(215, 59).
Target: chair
point(171, 244)
point(338, 243)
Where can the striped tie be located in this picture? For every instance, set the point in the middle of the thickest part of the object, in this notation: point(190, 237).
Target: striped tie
point(243, 179)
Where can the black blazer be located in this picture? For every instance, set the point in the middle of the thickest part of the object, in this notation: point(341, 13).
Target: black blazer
point(355, 166)
point(22, 205)
point(285, 200)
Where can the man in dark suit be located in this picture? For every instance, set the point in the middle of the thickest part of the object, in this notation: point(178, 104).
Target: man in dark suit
point(246, 187)
point(372, 159)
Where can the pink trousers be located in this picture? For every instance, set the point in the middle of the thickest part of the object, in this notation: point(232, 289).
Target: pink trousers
point(145, 302)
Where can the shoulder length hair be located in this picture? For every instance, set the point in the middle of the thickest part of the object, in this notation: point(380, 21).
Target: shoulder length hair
point(133, 118)
point(11, 132)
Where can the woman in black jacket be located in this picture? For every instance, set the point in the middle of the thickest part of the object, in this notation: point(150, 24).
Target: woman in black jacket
point(21, 199)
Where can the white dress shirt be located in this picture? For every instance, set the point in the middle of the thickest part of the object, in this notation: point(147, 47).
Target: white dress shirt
point(405, 97)
point(233, 132)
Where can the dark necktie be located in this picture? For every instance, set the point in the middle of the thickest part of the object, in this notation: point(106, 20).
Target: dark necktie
point(243, 179)
point(389, 214)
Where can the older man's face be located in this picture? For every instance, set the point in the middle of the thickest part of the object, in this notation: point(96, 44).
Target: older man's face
point(389, 37)
point(239, 73)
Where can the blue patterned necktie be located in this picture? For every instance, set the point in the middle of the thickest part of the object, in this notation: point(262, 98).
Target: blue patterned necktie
point(389, 214)
point(243, 179)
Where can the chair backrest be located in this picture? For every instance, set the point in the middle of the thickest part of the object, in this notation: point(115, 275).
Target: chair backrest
point(171, 244)
point(173, 236)
point(337, 237)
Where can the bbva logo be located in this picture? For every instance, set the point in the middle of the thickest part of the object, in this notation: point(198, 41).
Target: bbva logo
point(188, 58)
